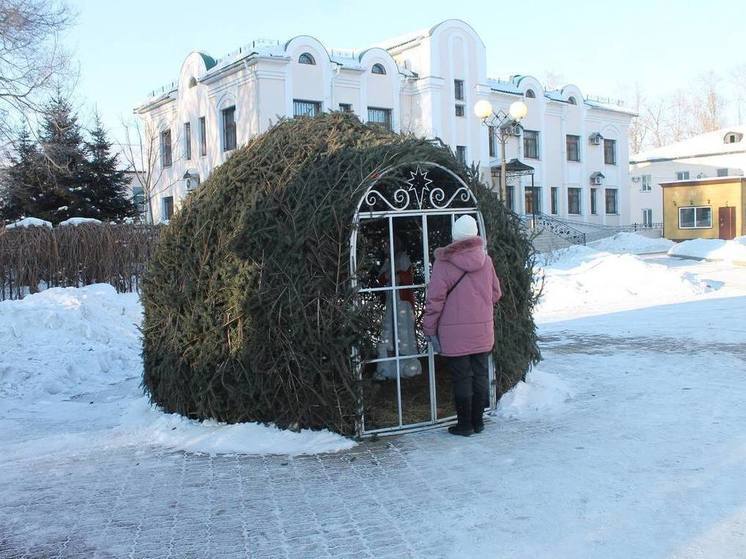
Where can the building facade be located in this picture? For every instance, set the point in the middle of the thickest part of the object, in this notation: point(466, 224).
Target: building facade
point(713, 155)
point(426, 83)
point(706, 208)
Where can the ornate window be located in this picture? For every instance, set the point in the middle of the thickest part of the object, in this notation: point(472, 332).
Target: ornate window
point(381, 117)
point(530, 94)
point(305, 108)
point(306, 58)
point(229, 128)
point(572, 101)
point(378, 69)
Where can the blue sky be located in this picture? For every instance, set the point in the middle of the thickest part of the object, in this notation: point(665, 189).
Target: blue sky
point(125, 49)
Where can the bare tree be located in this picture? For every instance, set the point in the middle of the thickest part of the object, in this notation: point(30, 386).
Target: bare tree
point(638, 129)
point(31, 59)
point(708, 103)
point(142, 152)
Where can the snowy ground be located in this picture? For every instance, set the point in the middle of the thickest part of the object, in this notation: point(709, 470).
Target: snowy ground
point(628, 440)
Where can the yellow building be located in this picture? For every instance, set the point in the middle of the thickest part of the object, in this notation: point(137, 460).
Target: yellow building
point(709, 208)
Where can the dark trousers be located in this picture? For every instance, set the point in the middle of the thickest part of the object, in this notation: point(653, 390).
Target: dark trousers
point(471, 378)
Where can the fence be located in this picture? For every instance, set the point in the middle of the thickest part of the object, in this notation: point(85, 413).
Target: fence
point(36, 258)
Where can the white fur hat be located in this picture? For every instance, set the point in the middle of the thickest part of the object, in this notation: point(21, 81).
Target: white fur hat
point(463, 228)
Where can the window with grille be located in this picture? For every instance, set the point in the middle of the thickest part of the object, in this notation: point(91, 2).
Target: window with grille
point(303, 108)
point(554, 200)
point(306, 58)
point(531, 144)
point(612, 206)
point(459, 109)
point(187, 141)
point(682, 175)
point(378, 69)
point(722, 172)
point(647, 183)
point(458, 89)
point(166, 157)
point(610, 152)
point(167, 207)
point(202, 136)
point(573, 147)
point(379, 116)
point(229, 128)
point(573, 201)
point(345, 107)
point(647, 217)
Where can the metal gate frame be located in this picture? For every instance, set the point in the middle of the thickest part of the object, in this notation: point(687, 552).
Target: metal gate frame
point(402, 200)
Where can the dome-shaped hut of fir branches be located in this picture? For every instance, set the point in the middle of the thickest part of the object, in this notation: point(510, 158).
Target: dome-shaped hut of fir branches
point(272, 293)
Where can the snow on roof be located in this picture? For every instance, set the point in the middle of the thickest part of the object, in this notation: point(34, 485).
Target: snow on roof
point(78, 221)
point(400, 40)
point(29, 222)
point(710, 143)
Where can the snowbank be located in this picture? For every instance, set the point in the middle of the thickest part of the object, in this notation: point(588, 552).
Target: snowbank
point(79, 221)
point(541, 394)
point(71, 356)
point(712, 249)
point(29, 222)
point(143, 424)
point(68, 340)
point(632, 243)
point(585, 281)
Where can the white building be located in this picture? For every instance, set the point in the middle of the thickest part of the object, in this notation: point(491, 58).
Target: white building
point(716, 154)
point(426, 83)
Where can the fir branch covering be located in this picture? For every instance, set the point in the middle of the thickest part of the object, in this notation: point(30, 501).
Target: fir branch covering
point(249, 307)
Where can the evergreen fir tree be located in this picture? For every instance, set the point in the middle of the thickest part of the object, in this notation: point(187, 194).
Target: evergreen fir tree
point(20, 189)
point(65, 193)
point(105, 185)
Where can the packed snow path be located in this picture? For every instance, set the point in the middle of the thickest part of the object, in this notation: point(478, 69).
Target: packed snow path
point(647, 460)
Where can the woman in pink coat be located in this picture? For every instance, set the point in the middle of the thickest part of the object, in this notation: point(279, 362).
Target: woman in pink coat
point(459, 321)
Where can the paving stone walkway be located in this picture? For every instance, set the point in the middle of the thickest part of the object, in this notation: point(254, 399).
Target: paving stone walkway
point(622, 468)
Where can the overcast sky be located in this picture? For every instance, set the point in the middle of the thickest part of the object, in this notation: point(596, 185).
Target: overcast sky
point(127, 48)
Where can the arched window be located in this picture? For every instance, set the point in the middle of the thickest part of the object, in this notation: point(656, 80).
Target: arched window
point(572, 101)
point(378, 69)
point(192, 81)
point(733, 137)
point(530, 94)
point(306, 58)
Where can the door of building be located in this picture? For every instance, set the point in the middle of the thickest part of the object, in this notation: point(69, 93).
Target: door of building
point(727, 221)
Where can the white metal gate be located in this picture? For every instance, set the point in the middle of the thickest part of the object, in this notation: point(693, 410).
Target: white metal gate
point(405, 214)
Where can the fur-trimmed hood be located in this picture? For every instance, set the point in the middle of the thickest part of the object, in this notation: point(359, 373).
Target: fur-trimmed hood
point(467, 255)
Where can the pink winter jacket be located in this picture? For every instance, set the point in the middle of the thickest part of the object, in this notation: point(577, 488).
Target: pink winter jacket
point(463, 322)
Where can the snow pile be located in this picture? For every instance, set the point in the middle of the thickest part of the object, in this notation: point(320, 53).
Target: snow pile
point(79, 221)
point(143, 424)
point(65, 340)
point(29, 222)
point(712, 249)
point(541, 394)
point(632, 243)
point(72, 356)
point(585, 280)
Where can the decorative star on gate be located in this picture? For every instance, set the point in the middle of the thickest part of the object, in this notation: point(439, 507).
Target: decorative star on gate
point(419, 184)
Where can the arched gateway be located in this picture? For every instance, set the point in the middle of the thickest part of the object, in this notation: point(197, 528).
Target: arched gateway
point(401, 219)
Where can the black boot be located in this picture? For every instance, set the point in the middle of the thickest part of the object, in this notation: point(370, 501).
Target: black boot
point(463, 413)
point(477, 408)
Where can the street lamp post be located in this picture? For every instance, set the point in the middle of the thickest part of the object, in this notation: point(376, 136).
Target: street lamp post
point(506, 125)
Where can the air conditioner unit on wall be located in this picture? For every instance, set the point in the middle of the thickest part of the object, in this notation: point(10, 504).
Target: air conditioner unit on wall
point(595, 138)
point(635, 179)
point(596, 181)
